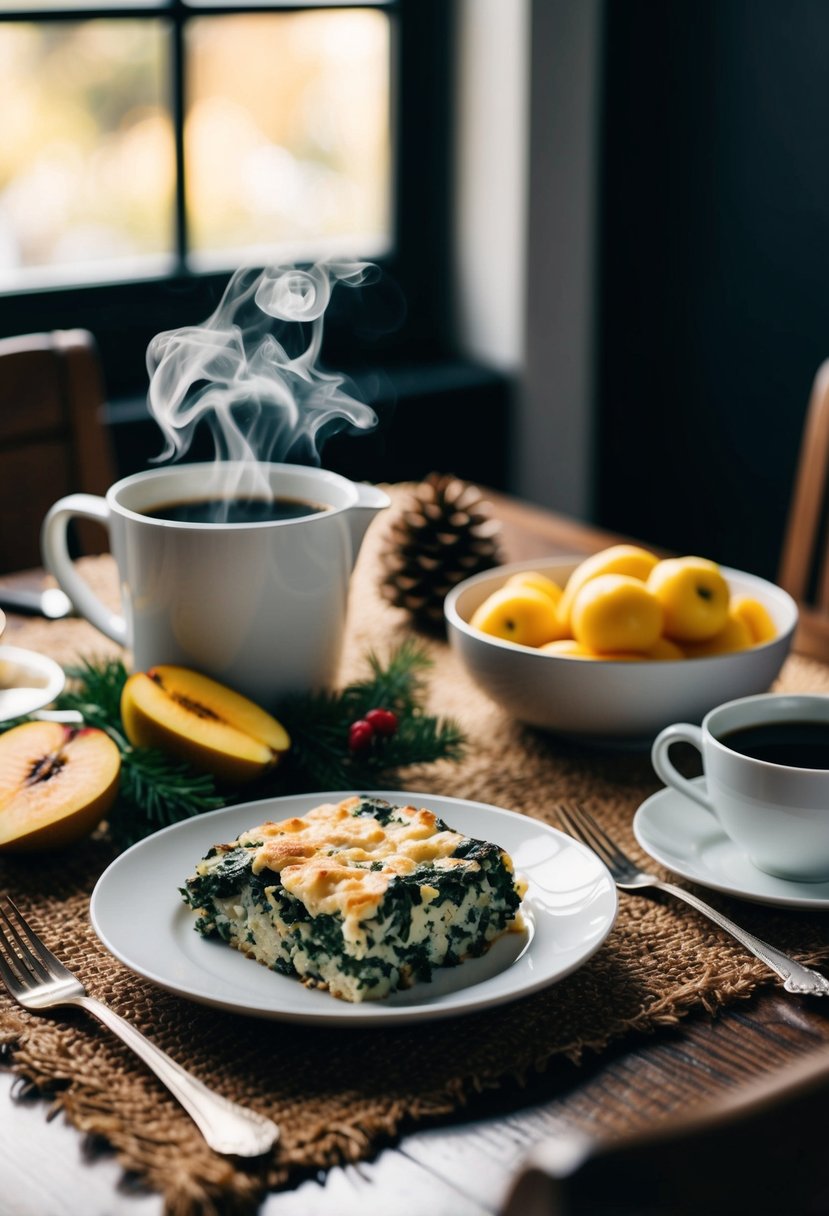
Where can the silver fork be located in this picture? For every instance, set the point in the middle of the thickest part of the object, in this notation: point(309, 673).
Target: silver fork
point(628, 877)
point(39, 981)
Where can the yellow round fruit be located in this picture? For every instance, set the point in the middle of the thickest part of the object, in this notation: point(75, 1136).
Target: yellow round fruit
point(665, 650)
point(694, 597)
point(571, 649)
point(533, 578)
point(567, 648)
point(755, 616)
point(616, 612)
point(734, 635)
point(617, 559)
point(518, 614)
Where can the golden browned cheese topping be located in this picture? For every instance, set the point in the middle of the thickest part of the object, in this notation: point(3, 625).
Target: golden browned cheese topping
point(324, 858)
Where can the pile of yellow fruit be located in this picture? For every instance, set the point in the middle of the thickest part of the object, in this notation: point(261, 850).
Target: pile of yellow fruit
point(624, 603)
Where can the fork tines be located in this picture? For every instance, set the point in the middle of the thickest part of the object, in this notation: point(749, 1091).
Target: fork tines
point(581, 824)
point(23, 957)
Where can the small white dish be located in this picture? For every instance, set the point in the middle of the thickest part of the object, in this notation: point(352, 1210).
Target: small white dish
point(136, 910)
point(682, 835)
point(28, 682)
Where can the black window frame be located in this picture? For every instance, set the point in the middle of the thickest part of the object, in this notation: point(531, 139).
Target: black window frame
point(125, 315)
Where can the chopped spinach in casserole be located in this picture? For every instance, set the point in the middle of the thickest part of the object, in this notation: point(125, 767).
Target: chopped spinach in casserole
point(361, 898)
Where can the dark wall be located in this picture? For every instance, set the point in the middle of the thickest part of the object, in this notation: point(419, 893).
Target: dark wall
point(446, 416)
point(715, 268)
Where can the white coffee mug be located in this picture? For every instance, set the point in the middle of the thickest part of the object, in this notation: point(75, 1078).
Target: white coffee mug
point(259, 606)
point(776, 813)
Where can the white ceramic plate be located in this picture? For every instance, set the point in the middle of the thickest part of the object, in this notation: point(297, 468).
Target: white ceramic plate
point(138, 914)
point(683, 836)
point(28, 681)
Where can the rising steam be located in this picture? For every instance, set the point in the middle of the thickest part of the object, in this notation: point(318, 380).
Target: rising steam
point(232, 372)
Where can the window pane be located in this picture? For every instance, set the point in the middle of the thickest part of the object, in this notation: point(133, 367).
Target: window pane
point(18, 6)
point(287, 134)
point(86, 157)
point(285, 3)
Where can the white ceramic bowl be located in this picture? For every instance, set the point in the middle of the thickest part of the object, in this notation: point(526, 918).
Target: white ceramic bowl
point(28, 681)
point(600, 699)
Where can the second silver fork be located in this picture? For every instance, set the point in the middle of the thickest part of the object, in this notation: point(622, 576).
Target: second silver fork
point(39, 981)
point(629, 877)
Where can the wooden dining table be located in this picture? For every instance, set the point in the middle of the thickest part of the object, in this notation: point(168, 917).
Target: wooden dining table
point(771, 1044)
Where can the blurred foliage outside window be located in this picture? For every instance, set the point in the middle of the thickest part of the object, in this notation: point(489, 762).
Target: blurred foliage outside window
point(286, 143)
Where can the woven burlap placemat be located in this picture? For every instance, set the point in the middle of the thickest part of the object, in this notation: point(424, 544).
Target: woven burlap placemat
point(337, 1094)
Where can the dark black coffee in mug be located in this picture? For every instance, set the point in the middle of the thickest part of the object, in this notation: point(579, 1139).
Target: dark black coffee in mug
point(795, 744)
point(228, 510)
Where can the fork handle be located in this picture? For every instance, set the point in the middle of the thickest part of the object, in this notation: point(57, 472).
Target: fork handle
point(227, 1127)
point(796, 977)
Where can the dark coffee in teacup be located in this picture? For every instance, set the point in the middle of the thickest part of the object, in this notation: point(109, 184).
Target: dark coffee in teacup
point(796, 744)
point(221, 510)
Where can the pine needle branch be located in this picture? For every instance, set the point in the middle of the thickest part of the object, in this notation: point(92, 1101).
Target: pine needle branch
point(155, 792)
point(318, 726)
point(398, 685)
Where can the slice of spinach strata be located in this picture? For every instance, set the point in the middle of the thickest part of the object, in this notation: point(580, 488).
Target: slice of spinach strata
point(361, 898)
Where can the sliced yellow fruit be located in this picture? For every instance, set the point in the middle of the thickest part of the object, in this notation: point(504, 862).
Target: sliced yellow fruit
point(56, 784)
point(201, 721)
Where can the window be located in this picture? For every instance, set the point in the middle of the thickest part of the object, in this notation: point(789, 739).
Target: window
point(150, 139)
point(150, 147)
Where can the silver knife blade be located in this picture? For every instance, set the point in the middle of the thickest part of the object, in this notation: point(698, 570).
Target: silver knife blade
point(51, 603)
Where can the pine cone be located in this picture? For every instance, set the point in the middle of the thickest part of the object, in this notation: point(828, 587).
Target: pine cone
point(444, 534)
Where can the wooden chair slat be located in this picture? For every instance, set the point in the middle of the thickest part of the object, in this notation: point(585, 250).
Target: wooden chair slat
point(53, 439)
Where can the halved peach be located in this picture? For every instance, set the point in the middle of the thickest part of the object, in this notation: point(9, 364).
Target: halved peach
point(199, 720)
point(56, 784)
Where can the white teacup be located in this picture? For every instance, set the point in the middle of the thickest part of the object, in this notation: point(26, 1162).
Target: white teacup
point(775, 810)
point(259, 606)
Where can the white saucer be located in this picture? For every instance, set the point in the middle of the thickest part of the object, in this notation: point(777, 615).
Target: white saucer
point(683, 836)
point(28, 681)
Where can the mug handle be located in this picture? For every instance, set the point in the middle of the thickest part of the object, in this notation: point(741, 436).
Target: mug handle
point(56, 559)
point(680, 732)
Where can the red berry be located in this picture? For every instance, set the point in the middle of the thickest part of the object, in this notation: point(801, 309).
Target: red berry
point(360, 735)
point(382, 721)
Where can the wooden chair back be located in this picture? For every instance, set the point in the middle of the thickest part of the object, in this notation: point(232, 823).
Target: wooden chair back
point(804, 562)
point(732, 1153)
point(53, 438)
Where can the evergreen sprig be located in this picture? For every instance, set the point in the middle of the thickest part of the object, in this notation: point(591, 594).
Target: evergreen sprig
point(96, 693)
point(157, 790)
point(399, 685)
point(318, 726)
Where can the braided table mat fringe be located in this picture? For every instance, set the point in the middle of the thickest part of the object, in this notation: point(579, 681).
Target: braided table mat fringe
point(339, 1095)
